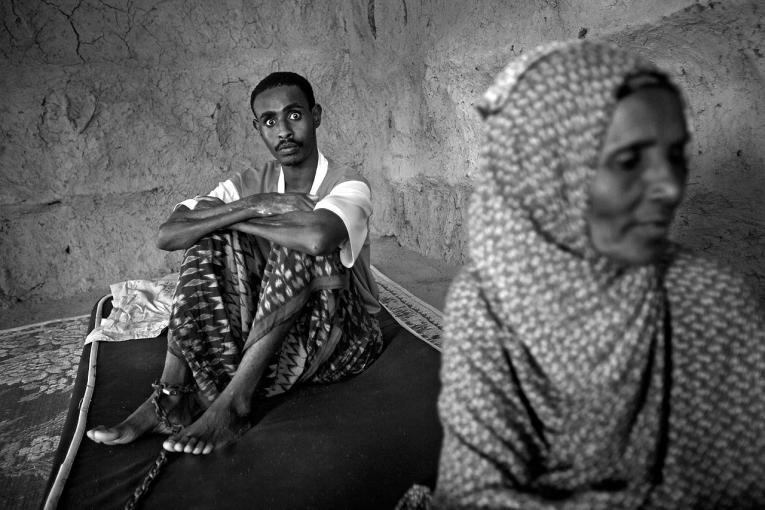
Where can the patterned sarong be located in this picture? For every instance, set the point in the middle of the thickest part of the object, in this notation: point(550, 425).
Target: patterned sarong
point(234, 290)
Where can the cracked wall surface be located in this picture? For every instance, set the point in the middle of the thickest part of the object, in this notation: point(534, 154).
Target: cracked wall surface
point(113, 111)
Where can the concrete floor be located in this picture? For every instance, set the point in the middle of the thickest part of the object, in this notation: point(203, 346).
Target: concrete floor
point(424, 277)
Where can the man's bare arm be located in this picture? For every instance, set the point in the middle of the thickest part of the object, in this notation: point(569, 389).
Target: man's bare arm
point(317, 232)
point(185, 226)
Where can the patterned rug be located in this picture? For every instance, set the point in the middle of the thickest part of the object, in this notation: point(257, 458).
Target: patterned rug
point(38, 364)
point(421, 319)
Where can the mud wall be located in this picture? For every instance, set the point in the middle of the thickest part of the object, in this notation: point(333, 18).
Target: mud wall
point(112, 112)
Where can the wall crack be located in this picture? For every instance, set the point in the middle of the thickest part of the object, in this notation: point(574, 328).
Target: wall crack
point(371, 17)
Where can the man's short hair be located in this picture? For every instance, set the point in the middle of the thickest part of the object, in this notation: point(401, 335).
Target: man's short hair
point(283, 78)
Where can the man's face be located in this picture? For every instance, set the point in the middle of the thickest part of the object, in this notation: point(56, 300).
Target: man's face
point(286, 124)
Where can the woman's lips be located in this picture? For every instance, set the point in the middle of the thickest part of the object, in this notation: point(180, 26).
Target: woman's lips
point(652, 228)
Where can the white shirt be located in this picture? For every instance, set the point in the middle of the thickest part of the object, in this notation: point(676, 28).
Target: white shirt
point(351, 201)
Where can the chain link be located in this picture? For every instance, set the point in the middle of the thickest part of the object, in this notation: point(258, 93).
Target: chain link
point(145, 484)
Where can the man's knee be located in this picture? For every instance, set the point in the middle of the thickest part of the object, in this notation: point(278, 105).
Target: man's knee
point(207, 253)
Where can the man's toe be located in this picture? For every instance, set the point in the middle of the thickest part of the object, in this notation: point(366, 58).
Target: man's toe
point(169, 444)
point(199, 447)
point(190, 444)
point(101, 434)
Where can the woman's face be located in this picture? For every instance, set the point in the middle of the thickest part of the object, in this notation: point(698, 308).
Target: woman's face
point(641, 177)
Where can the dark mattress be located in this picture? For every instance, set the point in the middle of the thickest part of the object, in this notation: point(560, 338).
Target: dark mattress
point(359, 443)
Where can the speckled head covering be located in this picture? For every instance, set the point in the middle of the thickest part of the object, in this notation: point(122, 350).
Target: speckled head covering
point(546, 117)
point(588, 330)
point(557, 362)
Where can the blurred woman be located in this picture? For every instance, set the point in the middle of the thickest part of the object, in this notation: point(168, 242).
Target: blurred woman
point(589, 362)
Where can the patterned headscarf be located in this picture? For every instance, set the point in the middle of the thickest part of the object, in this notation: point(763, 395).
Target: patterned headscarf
point(590, 339)
point(589, 331)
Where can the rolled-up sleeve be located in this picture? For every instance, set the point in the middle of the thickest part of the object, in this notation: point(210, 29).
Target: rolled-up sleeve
point(226, 191)
point(352, 202)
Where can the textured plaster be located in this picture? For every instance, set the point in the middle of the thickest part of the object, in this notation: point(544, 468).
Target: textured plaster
point(113, 111)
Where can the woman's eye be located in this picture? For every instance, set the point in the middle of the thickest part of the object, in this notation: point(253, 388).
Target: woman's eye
point(677, 156)
point(678, 159)
point(295, 116)
point(270, 123)
point(627, 161)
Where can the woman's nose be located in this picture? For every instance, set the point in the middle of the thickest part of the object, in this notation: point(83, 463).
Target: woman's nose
point(666, 180)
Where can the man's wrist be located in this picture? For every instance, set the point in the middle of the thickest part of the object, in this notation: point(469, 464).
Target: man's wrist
point(236, 207)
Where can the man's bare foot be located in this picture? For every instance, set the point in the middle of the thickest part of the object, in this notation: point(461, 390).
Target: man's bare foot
point(227, 418)
point(221, 424)
point(144, 419)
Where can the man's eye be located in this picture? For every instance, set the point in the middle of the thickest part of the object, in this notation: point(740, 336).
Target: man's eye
point(270, 122)
point(295, 116)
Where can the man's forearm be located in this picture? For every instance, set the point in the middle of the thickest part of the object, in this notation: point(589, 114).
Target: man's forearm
point(181, 231)
point(185, 226)
point(317, 233)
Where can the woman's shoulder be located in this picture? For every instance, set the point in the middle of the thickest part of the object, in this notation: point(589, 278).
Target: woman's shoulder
point(690, 268)
point(464, 292)
point(709, 288)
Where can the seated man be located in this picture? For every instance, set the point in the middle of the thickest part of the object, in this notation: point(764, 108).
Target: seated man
point(275, 287)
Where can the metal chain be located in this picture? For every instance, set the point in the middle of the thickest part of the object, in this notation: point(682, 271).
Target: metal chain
point(145, 484)
point(160, 388)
